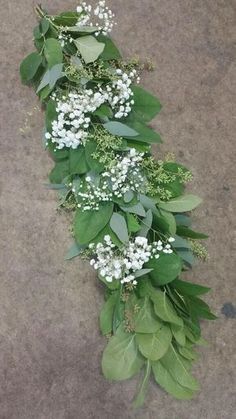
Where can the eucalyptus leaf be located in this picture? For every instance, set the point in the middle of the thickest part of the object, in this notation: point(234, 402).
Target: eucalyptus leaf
point(119, 227)
point(188, 288)
point(153, 346)
point(53, 52)
point(119, 129)
point(146, 106)
point(165, 269)
point(179, 335)
point(30, 66)
point(145, 320)
point(51, 77)
point(121, 359)
point(74, 251)
point(110, 51)
point(140, 398)
point(135, 209)
point(146, 224)
point(133, 225)
point(166, 381)
point(164, 309)
point(174, 363)
point(89, 48)
point(106, 314)
point(181, 204)
point(88, 224)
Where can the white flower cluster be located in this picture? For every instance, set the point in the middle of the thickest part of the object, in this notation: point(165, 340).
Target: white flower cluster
point(124, 176)
point(124, 264)
point(120, 94)
point(70, 128)
point(101, 12)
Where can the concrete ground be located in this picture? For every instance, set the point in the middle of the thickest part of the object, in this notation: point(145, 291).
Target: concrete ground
point(50, 346)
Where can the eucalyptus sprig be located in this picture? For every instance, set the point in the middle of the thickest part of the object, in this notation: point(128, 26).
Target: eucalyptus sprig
point(131, 212)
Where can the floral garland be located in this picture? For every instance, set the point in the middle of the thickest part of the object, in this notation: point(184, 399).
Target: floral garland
point(131, 215)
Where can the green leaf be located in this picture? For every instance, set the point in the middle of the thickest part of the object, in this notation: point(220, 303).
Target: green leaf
point(187, 288)
point(106, 315)
point(199, 309)
point(119, 227)
point(53, 52)
point(140, 398)
point(51, 77)
point(103, 111)
point(44, 26)
point(145, 133)
point(51, 114)
point(117, 128)
point(166, 381)
point(133, 225)
point(89, 48)
point(182, 219)
point(165, 269)
point(145, 320)
point(163, 307)
point(188, 353)
point(78, 162)
point(179, 335)
point(59, 172)
point(110, 51)
point(187, 232)
point(30, 66)
point(90, 148)
point(82, 29)
point(175, 365)
point(170, 220)
point(182, 204)
point(154, 346)
point(146, 224)
point(88, 224)
point(146, 106)
point(75, 250)
point(187, 256)
point(66, 19)
point(180, 243)
point(134, 209)
point(121, 359)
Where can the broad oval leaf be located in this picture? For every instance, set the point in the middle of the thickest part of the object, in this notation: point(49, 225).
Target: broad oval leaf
point(145, 320)
point(88, 224)
point(181, 204)
point(89, 48)
point(121, 359)
point(146, 106)
point(154, 345)
point(53, 52)
point(165, 269)
point(30, 66)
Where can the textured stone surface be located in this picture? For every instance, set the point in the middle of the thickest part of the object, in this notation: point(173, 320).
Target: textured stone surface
point(50, 347)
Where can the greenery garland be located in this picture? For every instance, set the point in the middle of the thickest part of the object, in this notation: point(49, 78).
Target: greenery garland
point(131, 215)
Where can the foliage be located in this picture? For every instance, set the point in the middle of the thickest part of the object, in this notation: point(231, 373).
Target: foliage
point(152, 319)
